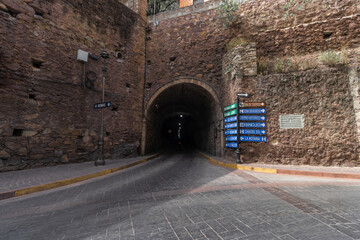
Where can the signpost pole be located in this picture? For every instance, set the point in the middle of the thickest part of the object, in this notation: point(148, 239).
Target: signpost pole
point(238, 95)
point(100, 160)
point(237, 130)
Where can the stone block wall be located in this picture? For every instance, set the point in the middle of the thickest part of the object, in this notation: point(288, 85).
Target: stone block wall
point(239, 62)
point(196, 37)
point(192, 42)
point(46, 112)
point(329, 136)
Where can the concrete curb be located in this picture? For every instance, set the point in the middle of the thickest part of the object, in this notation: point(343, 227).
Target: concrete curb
point(61, 183)
point(282, 171)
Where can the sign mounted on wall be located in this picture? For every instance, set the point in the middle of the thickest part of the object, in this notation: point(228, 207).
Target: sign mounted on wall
point(102, 105)
point(291, 121)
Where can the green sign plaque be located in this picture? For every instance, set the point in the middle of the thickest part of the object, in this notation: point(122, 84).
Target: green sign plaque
point(232, 106)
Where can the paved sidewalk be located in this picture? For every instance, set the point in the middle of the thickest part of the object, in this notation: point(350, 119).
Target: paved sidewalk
point(16, 183)
point(306, 170)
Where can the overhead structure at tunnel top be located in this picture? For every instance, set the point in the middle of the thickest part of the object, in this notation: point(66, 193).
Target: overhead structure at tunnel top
point(183, 113)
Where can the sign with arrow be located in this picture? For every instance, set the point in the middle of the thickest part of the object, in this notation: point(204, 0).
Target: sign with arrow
point(231, 138)
point(230, 125)
point(252, 131)
point(246, 139)
point(252, 125)
point(252, 111)
point(246, 118)
point(230, 132)
point(231, 144)
point(252, 139)
point(250, 117)
point(252, 104)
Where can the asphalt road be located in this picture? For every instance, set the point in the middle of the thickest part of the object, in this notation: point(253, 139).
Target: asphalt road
point(183, 196)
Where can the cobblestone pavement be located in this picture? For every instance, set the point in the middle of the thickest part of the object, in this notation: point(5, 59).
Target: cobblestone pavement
point(183, 196)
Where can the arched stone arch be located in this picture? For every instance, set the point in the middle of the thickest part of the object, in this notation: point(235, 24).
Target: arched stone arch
point(205, 88)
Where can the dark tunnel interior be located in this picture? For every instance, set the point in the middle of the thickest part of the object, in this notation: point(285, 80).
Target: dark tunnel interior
point(183, 116)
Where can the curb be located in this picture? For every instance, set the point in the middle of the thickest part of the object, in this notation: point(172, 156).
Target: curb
point(282, 171)
point(61, 183)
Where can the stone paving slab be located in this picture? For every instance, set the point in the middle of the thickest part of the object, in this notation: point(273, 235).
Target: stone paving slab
point(25, 181)
point(174, 197)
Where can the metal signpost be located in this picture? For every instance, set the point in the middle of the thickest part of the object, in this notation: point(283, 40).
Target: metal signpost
point(249, 119)
point(100, 160)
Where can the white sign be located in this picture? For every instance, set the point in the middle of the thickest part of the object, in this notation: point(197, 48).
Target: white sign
point(291, 121)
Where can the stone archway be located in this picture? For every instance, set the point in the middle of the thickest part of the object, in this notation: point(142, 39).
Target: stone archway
point(187, 101)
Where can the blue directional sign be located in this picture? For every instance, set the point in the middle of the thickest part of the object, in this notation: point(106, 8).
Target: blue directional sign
point(252, 131)
point(252, 111)
point(231, 138)
point(231, 144)
point(252, 118)
point(230, 132)
point(252, 125)
point(245, 118)
point(230, 125)
point(252, 139)
point(230, 119)
point(102, 105)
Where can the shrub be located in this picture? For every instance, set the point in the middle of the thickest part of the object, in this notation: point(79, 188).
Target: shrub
point(263, 65)
point(235, 42)
point(332, 58)
point(282, 65)
point(227, 9)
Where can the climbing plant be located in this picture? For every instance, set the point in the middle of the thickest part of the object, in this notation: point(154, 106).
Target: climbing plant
point(162, 5)
point(227, 9)
point(291, 5)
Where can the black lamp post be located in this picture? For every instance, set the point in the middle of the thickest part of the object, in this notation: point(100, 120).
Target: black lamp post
point(100, 161)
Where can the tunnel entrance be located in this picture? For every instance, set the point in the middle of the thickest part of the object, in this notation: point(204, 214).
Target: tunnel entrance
point(183, 114)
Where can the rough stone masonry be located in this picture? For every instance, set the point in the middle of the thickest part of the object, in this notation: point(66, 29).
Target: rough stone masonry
point(47, 114)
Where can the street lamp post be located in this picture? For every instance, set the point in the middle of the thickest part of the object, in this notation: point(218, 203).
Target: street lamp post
point(100, 161)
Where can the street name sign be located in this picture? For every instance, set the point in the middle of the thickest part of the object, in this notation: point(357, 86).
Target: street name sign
point(102, 105)
point(242, 94)
point(252, 104)
point(230, 113)
point(230, 119)
point(246, 118)
point(252, 111)
point(231, 138)
point(230, 132)
point(231, 144)
point(252, 139)
point(252, 125)
point(252, 132)
point(232, 106)
point(252, 118)
point(230, 125)
point(246, 138)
